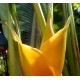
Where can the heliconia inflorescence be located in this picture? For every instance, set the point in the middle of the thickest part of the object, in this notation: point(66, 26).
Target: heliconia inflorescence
point(49, 59)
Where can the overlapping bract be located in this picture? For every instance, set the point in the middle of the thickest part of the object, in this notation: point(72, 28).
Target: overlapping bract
point(47, 61)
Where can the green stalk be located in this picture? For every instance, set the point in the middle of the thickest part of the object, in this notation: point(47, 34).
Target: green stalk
point(75, 42)
point(15, 18)
point(50, 8)
point(69, 54)
point(50, 11)
point(40, 17)
point(65, 70)
point(72, 44)
point(13, 56)
point(69, 45)
point(44, 9)
point(69, 50)
point(33, 31)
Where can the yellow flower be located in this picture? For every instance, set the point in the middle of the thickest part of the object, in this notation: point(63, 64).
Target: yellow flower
point(47, 61)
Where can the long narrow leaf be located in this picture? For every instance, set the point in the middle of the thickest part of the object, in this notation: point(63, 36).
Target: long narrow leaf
point(40, 16)
point(13, 57)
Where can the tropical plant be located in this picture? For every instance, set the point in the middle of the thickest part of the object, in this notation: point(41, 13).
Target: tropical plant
point(31, 25)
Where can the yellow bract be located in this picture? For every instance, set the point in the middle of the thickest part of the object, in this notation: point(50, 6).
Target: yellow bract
point(54, 49)
point(49, 29)
point(47, 61)
point(33, 62)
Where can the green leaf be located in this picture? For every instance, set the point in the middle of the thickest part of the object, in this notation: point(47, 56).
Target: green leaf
point(3, 17)
point(40, 16)
point(72, 44)
point(13, 57)
point(13, 12)
point(25, 16)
